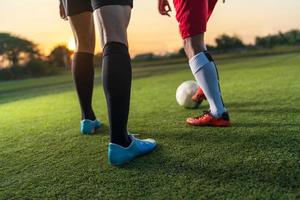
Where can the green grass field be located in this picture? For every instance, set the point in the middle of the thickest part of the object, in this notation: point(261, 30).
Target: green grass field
point(43, 155)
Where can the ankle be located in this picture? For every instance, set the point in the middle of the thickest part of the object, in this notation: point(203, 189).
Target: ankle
point(89, 115)
point(124, 142)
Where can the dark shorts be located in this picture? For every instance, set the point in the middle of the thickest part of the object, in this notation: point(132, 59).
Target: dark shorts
point(75, 7)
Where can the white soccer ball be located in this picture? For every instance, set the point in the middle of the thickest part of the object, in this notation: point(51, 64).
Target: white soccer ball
point(185, 92)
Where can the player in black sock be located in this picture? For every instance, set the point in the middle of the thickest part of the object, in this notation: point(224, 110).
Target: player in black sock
point(113, 19)
point(82, 22)
point(116, 71)
point(83, 75)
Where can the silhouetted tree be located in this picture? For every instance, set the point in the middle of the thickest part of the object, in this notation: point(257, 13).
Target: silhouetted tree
point(16, 49)
point(181, 52)
point(60, 56)
point(226, 42)
point(288, 38)
point(293, 37)
point(144, 57)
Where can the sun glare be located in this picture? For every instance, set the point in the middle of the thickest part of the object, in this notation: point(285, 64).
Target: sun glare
point(71, 44)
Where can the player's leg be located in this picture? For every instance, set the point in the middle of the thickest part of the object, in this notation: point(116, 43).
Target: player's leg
point(116, 69)
point(193, 20)
point(81, 20)
point(117, 77)
point(206, 74)
point(82, 63)
point(192, 46)
point(200, 61)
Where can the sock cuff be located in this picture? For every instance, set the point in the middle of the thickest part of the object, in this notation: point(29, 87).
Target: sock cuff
point(115, 48)
point(199, 61)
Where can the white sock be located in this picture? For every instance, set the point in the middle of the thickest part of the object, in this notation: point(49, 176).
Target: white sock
point(206, 75)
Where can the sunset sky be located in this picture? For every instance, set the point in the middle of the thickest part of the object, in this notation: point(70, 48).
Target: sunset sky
point(38, 20)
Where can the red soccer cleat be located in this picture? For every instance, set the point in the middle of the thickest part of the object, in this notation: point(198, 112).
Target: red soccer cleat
point(199, 96)
point(208, 120)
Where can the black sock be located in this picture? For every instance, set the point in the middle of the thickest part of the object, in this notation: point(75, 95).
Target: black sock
point(83, 75)
point(116, 72)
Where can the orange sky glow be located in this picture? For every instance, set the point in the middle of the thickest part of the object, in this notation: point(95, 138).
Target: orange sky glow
point(149, 32)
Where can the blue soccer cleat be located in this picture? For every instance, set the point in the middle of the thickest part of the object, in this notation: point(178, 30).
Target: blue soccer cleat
point(97, 123)
point(88, 126)
point(118, 155)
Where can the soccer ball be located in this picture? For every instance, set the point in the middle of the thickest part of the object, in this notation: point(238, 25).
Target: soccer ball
point(185, 92)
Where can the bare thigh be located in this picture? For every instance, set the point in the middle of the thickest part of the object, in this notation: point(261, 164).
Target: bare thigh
point(114, 20)
point(84, 31)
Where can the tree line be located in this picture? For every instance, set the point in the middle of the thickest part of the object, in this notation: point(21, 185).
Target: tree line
point(21, 58)
point(226, 43)
point(292, 37)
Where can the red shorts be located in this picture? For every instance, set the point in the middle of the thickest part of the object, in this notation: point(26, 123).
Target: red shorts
point(193, 15)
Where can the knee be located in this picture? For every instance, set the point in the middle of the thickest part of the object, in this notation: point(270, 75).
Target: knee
point(115, 37)
point(115, 34)
point(187, 45)
point(193, 47)
point(86, 44)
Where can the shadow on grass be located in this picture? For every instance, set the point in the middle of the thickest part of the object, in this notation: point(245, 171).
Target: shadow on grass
point(241, 146)
point(242, 165)
point(102, 131)
point(39, 91)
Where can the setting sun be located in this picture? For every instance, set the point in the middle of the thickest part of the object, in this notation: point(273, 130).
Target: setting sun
point(71, 44)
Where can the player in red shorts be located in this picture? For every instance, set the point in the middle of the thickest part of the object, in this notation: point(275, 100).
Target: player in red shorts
point(193, 16)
